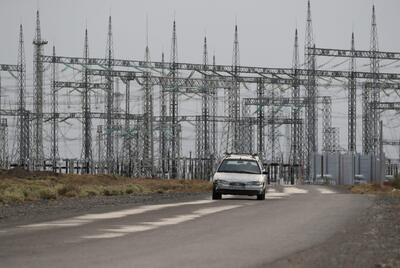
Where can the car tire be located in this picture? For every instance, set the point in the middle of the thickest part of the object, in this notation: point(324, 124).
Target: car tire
point(261, 196)
point(216, 195)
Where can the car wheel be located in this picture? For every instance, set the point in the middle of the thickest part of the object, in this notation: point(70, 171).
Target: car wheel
point(216, 195)
point(261, 196)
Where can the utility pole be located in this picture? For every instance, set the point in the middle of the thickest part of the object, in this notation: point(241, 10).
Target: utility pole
point(38, 43)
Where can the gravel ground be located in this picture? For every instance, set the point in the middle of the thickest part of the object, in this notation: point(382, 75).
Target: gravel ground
point(372, 240)
point(32, 212)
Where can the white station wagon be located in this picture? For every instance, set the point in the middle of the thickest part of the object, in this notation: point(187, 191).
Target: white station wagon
point(240, 174)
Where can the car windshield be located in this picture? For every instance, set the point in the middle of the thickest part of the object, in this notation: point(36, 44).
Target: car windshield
point(239, 166)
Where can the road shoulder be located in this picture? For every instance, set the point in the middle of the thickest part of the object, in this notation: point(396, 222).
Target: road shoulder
point(371, 240)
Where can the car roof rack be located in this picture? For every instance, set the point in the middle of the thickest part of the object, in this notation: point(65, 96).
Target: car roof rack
point(254, 155)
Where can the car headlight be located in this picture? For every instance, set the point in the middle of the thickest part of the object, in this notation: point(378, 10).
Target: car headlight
point(255, 183)
point(221, 182)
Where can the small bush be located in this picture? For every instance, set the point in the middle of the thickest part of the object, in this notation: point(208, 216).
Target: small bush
point(129, 191)
point(106, 192)
point(47, 194)
point(91, 192)
point(396, 182)
point(113, 191)
point(69, 190)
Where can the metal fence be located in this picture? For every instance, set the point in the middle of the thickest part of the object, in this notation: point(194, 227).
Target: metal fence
point(346, 168)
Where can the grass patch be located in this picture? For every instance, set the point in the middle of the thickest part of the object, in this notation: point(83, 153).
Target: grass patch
point(378, 189)
point(21, 186)
point(396, 182)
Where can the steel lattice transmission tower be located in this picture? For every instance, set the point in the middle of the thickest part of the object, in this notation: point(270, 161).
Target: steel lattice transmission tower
point(214, 111)
point(260, 121)
point(4, 161)
point(23, 114)
point(311, 94)
point(38, 43)
point(128, 135)
point(327, 135)
point(207, 132)
point(246, 129)
point(273, 128)
point(86, 154)
point(54, 155)
point(234, 97)
point(375, 90)
point(296, 131)
point(148, 136)
point(109, 102)
point(231, 133)
point(163, 141)
point(173, 106)
point(100, 153)
point(352, 101)
point(3, 137)
point(199, 147)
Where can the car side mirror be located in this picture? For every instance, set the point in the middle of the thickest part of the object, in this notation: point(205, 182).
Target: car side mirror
point(265, 172)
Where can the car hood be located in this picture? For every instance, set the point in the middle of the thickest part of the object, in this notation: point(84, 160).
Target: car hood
point(241, 177)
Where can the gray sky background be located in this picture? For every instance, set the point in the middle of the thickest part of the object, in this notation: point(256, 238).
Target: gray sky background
point(265, 26)
point(266, 29)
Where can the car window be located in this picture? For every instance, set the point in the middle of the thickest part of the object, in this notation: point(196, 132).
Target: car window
point(239, 166)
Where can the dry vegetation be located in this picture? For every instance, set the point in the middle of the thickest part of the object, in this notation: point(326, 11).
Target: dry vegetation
point(18, 185)
point(390, 188)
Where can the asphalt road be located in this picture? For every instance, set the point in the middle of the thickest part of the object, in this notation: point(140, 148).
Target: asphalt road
point(233, 232)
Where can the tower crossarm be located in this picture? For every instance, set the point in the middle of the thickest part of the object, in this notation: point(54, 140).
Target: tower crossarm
point(201, 68)
point(348, 53)
point(385, 105)
point(9, 68)
point(391, 142)
point(281, 101)
point(90, 86)
point(382, 85)
point(275, 101)
point(124, 75)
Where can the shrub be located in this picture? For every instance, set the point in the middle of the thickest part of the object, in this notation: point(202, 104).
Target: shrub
point(69, 190)
point(47, 194)
point(129, 191)
point(396, 182)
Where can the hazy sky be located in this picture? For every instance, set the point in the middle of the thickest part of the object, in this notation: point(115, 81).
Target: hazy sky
point(266, 29)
